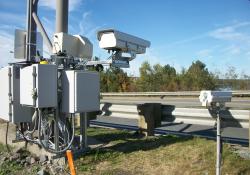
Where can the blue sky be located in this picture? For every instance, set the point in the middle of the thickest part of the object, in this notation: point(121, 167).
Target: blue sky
point(216, 32)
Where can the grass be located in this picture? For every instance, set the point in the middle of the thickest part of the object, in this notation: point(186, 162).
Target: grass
point(13, 167)
point(128, 154)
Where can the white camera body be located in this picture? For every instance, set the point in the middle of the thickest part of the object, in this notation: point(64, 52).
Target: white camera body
point(74, 45)
point(114, 40)
point(121, 43)
point(209, 97)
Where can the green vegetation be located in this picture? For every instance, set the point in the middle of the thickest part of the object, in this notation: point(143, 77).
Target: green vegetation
point(10, 167)
point(15, 166)
point(166, 78)
point(127, 154)
point(114, 80)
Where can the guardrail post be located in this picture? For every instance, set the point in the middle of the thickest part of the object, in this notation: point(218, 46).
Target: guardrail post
point(92, 116)
point(157, 114)
point(149, 118)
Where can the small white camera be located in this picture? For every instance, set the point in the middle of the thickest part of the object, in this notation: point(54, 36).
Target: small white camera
point(208, 97)
point(111, 39)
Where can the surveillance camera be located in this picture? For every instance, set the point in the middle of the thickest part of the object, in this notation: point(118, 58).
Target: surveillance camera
point(121, 43)
point(114, 40)
point(209, 97)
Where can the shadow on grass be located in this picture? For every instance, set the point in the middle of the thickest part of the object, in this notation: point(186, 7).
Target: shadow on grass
point(118, 143)
point(147, 143)
point(127, 142)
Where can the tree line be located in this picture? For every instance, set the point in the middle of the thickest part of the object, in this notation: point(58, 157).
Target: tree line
point(165, 78)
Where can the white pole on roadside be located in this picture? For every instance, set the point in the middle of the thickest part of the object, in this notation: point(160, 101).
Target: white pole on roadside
point(219, 145)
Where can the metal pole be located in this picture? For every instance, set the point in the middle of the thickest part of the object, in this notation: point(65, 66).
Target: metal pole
point(56, 130)
point(83, 130)
point(62, 8)
point(42, 30)
point(219, 144)
point(31, 31)
point(28, 30)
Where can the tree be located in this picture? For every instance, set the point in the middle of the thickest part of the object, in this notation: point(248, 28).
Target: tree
point(231, 73)
point(145, 83)
point(158, 78)
point(231, 78)
point(197, 77)
point(114, 80)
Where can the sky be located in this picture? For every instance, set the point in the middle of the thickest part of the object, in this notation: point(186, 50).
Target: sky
point(217, 32)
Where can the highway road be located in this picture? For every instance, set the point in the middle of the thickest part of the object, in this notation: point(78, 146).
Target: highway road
point(236, 103)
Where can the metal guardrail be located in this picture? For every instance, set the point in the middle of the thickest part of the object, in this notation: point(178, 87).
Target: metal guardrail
point(235, 118)
point(178, 93)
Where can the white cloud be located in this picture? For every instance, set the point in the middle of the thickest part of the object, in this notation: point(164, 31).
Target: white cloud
point(247, 53)
point(204, 53)
point(183, 42)
point(231, 32)
point(11, 4)
point(226, 33)
point(85, 23)
point(17, 19)
point(233, 50)
point(73, 4)
point(87, 27)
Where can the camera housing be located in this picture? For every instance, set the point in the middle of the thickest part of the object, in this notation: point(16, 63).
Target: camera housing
point(208, 97)
point(124, 47)
point(115, 40)
point(73, 45)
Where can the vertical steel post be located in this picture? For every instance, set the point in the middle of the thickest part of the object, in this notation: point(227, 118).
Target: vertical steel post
point(10, 94)
point(56, 129)
point(62, 8)
point(28, 30)
point(33, 27)
point(61, 26)
point(31, 31)
point(83, 130)
point(219, 145)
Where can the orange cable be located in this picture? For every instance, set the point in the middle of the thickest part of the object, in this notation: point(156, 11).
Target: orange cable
point(71, 162)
